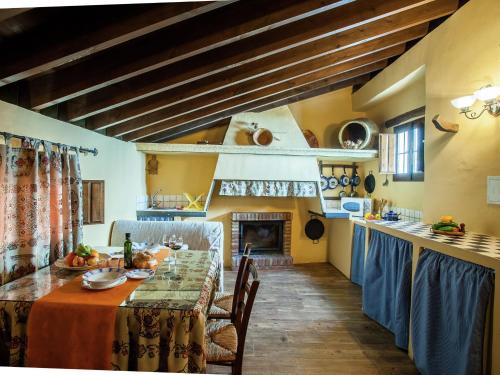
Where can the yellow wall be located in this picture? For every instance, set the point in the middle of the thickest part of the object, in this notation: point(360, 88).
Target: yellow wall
point(118, 163)
point(459, 57)
point(400, 194)
point(322, 115)
point(193, 174)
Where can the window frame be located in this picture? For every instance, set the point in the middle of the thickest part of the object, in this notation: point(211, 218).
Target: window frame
point(410, 127)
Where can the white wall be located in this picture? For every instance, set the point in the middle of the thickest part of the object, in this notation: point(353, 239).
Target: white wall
point(118, 163)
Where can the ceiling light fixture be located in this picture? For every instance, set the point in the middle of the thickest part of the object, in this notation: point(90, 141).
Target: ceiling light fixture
point(487, 94)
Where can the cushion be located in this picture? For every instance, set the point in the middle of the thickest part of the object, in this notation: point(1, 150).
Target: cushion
point(221, 307)
point(221, 341)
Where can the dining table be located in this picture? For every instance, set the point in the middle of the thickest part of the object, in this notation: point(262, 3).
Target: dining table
point(158, 326)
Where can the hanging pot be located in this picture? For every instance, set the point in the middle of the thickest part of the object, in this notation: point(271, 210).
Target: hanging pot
point(344, 180)
point(355, 179)
point(314, 229)
point(332, 181)
point(370, 183)
point(324, 181)
point(342, 193)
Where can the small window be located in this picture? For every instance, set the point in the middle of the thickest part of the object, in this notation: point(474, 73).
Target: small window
point(410, 151)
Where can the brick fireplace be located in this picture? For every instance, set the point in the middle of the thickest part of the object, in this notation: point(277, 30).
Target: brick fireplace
point(270, 233)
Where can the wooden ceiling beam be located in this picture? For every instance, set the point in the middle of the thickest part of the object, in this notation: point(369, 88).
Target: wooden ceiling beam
point(260, 97)
point(246, 73)
point(263, 86)
point(211, 63)
point(9, 13)
point(41, 50)
point(209, 122)
point(241, 20)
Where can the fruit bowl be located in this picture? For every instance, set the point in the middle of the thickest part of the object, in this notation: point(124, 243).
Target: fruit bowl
point(84, 258)
point(448, 227)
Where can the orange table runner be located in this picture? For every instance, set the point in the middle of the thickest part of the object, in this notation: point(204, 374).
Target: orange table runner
point(74, 328)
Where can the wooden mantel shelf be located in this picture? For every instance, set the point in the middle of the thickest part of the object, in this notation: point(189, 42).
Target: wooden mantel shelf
point(327, 153)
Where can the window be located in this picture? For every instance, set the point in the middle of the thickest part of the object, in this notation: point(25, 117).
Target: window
point(410, 151)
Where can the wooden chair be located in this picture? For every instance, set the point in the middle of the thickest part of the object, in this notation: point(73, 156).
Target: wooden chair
point(224, 304)
point(225, 341)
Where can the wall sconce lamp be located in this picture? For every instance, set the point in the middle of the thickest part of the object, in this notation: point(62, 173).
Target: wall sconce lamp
point(487, 94)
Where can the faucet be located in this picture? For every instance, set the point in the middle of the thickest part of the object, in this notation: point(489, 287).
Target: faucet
point(154, 202)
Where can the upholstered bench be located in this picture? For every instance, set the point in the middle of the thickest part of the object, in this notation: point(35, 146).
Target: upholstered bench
point(198, 235)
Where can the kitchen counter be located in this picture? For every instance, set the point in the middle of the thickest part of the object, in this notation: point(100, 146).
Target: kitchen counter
point(170, 212)
point(473, 247)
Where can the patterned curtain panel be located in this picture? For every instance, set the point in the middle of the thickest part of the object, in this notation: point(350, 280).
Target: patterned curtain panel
point(40, 207)
point(237, 188)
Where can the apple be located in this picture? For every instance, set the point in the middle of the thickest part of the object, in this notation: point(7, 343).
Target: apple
point(68, 260)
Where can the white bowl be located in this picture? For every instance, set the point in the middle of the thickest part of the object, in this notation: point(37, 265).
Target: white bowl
point(103, 276)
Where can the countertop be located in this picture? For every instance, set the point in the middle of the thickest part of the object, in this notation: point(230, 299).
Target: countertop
point(171, 212)
point(479, 246)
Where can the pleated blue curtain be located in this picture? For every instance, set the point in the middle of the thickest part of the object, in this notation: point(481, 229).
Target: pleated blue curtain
point(387, 284)
point(449, 306)
point(358, 254)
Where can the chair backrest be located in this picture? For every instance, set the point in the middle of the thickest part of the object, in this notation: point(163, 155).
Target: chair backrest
point(245, 300)
point(239, 276)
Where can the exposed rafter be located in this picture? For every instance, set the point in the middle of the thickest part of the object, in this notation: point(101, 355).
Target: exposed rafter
point(259, 71)
point(254, 100)
point(157, 71)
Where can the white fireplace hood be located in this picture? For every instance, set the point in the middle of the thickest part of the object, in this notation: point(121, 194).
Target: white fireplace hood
point(276, 175)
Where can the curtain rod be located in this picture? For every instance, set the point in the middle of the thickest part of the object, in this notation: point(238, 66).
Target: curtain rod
point(74, 148)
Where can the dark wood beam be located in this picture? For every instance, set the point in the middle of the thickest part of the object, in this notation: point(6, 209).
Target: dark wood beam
point(10, 13)
point(198, 125)
point(106, 27)
point(255, 99)
point(242, 20)
point(246, 73)
point(263, 86)
point(212, 63)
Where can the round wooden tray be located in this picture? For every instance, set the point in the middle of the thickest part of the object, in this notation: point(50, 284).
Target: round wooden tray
point(448, 233)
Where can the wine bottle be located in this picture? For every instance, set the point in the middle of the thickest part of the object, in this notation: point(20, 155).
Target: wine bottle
point(127, 252)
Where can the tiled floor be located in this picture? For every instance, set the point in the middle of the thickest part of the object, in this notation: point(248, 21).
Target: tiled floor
point(308, 320)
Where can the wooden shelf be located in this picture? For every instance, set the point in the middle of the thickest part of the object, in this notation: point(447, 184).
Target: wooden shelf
point(324, 153)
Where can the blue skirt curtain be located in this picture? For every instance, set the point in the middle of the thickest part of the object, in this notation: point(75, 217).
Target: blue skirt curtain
point(449, 305)
point(387, 284)
point(358, 254)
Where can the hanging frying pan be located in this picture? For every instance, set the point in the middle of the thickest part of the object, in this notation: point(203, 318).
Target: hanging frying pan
point(324, 182)
point(344, 180)
point(355, 179)
point(332, 181)
point(370, 183)
point(314, 229)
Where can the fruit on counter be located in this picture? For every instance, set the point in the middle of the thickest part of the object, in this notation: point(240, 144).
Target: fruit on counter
point(446, 219)
point(370, 216)
point(446, 224)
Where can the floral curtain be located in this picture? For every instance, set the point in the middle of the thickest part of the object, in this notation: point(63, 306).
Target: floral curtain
point(239, 188)
point(40, 206)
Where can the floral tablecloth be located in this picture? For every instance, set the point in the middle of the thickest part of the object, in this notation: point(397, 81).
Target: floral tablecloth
point(159, 327)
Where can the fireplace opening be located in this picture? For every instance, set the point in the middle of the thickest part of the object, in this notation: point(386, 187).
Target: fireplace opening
point(266, 236)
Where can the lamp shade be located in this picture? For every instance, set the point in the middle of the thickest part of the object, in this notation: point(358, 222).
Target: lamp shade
point(487, 93)
point(463, 101)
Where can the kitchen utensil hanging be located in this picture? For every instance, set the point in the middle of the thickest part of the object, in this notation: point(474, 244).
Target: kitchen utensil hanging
point(323, 182)
point(314, 229)
point(355, 179)
point(332, 181)
point(344, 180)
point(370, 183)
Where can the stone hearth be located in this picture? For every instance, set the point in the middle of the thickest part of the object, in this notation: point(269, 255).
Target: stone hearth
point(262, 260)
